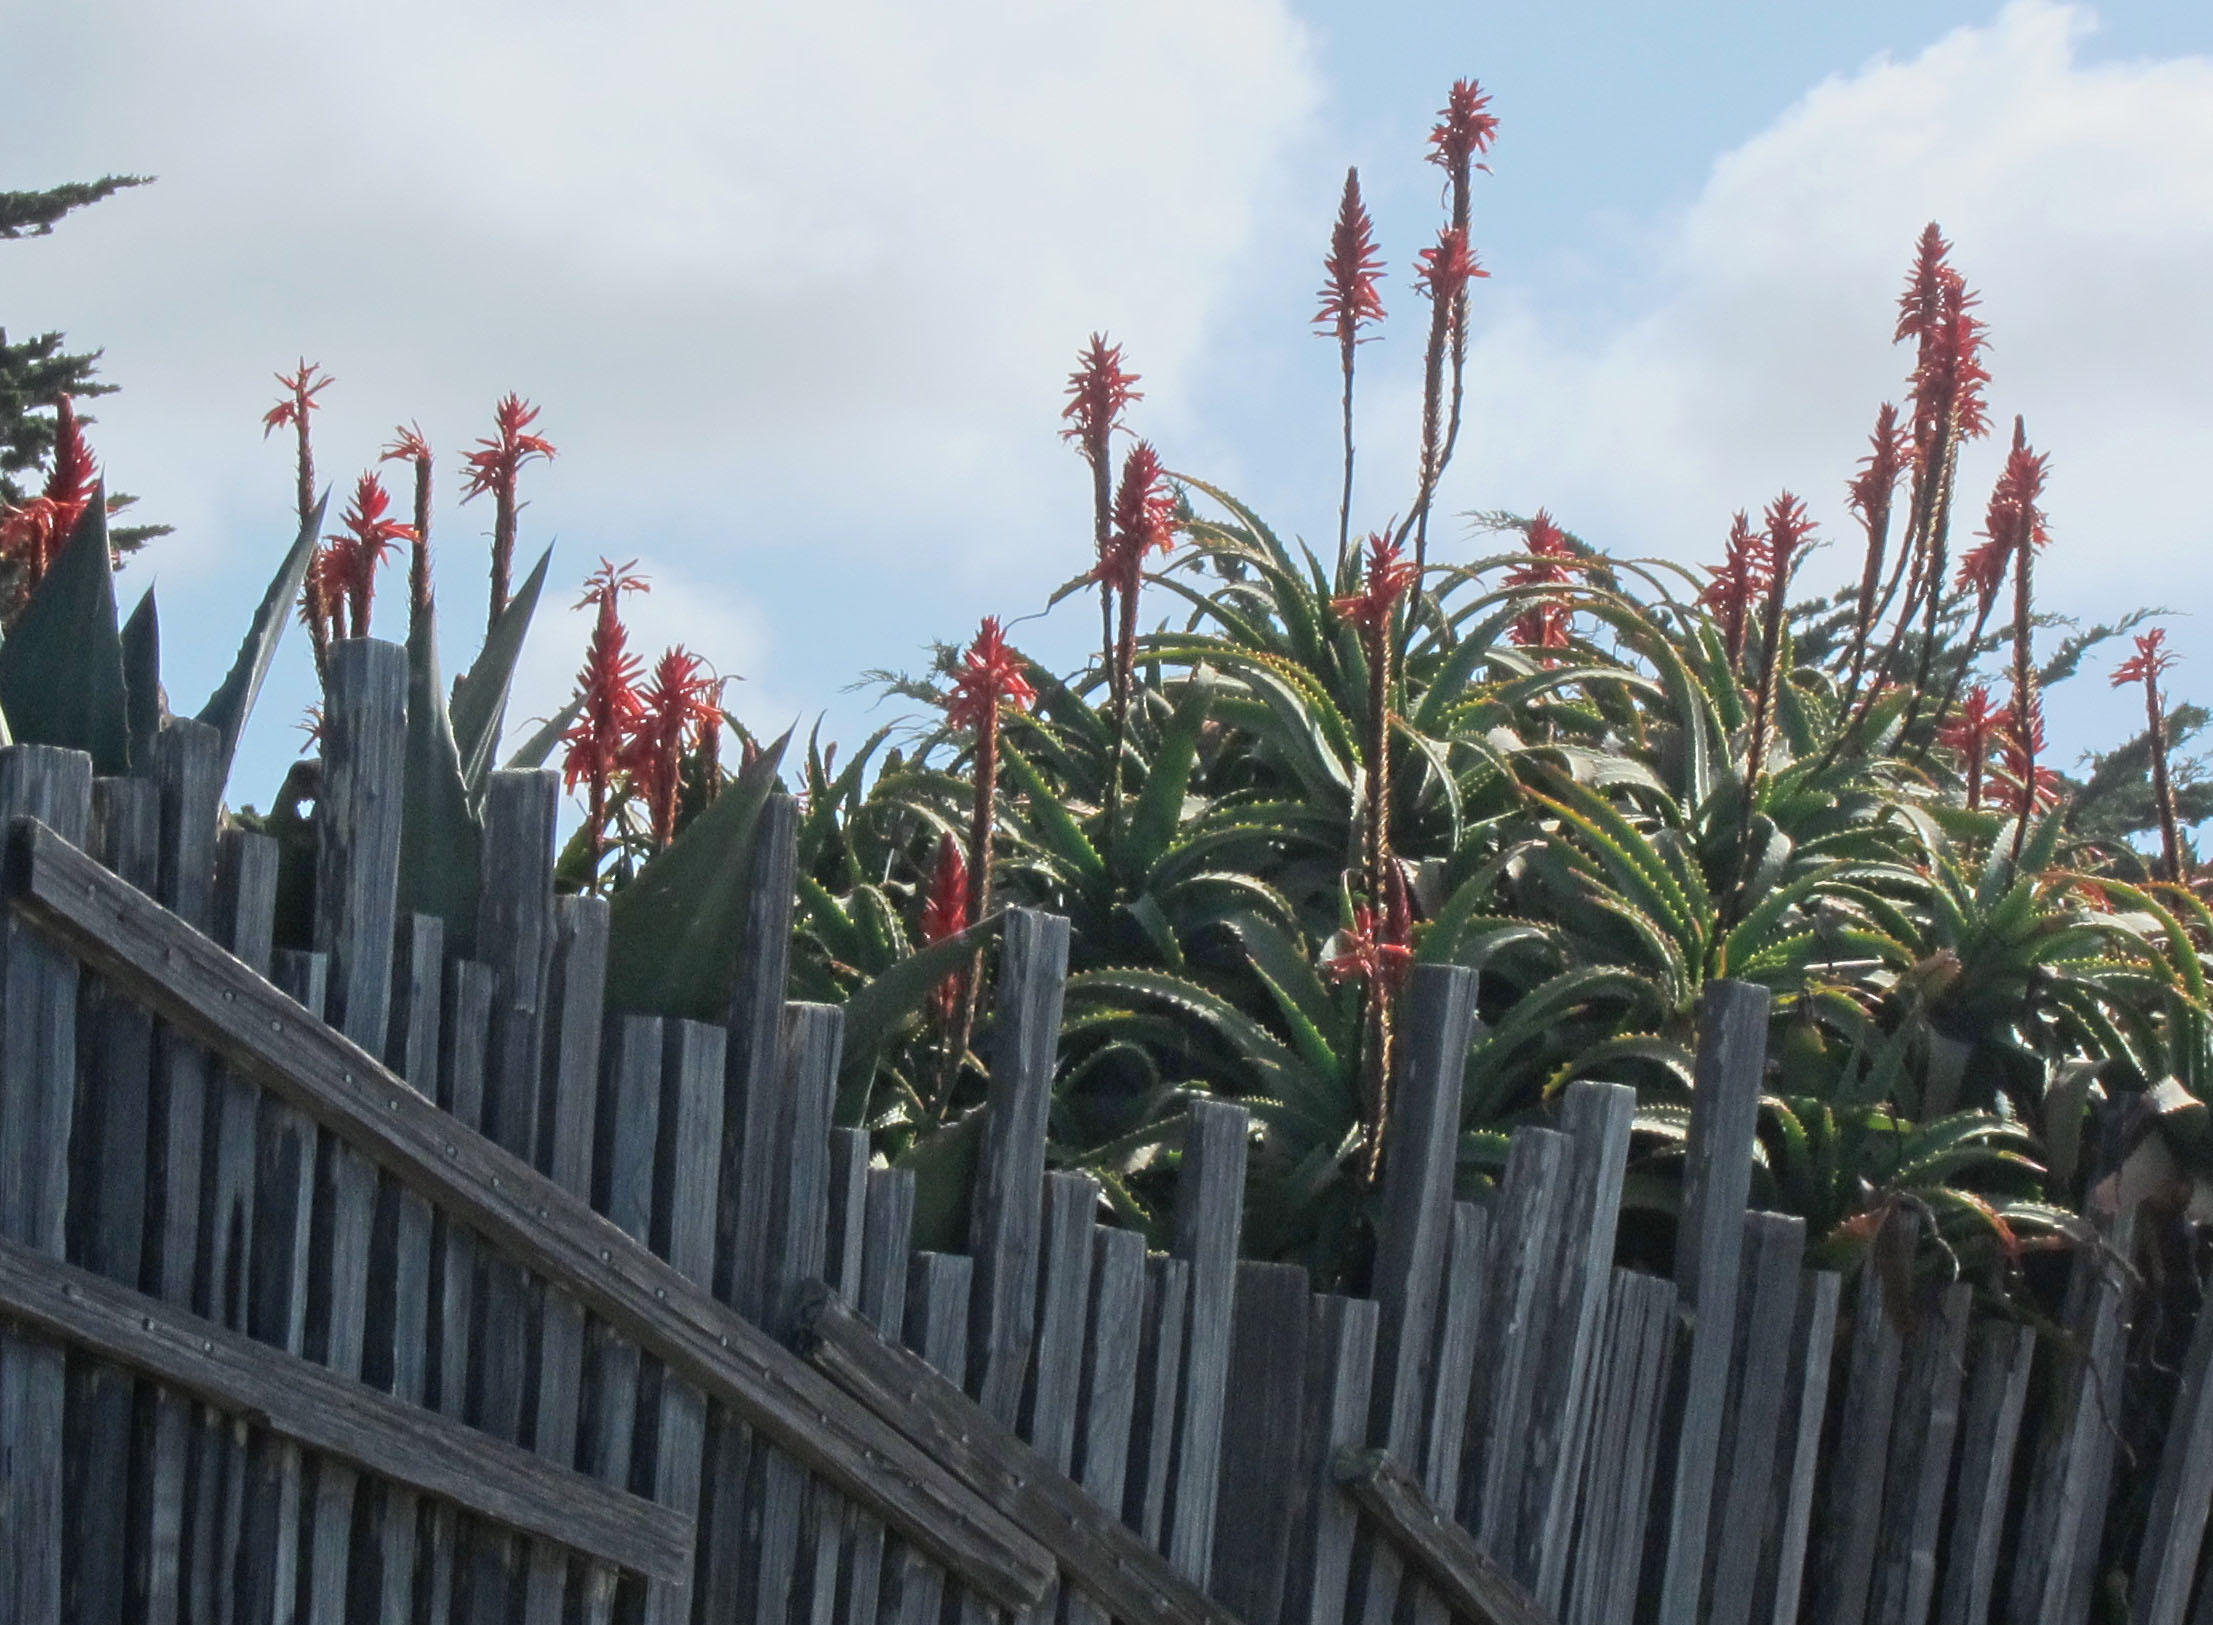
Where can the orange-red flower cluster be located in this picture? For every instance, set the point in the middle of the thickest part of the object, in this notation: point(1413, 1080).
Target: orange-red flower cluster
point(1739, 582)
point(1936, 310)
point(679, 709)
point(1971, 731)
point(600, 736)
point(1350, 295)
point(1098, 391)
point(33, 534)
point(1371, 950)
point(945, 914)
point(1144, 521)
point(1387, 577)
point(1464, 126)
point(1870, 491)
point(496, 461)
point(1551, 562)
point(1445, 271)
point(342, 578)
point(2152, 660)
point(990, 675)
point(2014, 522)
point(302, 385)
point(2019, 749)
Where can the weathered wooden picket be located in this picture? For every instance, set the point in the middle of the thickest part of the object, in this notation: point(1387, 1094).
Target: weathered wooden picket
point(380, 1283)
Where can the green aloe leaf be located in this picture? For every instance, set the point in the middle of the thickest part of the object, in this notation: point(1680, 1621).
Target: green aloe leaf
point(233, 700)
point(61, 669)
point(877, 1009)
point(441, 839)
point(142, 677)
point(532, 752)
point(944, 1166)
point(480, 696)
point(673, 932)
point(1159, 806)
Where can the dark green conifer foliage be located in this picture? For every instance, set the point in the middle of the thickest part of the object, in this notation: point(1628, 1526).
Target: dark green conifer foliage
point(36, 372)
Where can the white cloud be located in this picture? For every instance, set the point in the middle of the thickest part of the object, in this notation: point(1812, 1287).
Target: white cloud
point(2080, 200)
point(796, 285)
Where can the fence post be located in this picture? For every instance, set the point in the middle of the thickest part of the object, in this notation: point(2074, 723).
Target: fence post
point(1210, 1199)
point(1260, 1449)
point(1717, 1179)
point(2175, 1526)
point(1744, 1491)
point(38, 1073)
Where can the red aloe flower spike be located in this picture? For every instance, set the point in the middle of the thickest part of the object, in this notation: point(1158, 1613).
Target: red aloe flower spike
point(1464, 126)
point(1388, 577)
point(493, 467)
point(302, 385)
point(611, 709)
point(990, 676)
point(409, 446)
point(2151, 661)
point(370, 538)
point(1099, 391)
point(1740, 583)
point(1145, 518)
point(1788, 528)
point(1445, 271)
point(944, 915)
point(1918, 305)
point(33, 535)
point(1973, 728)
point(1350, 297)
point(678, 710)
point(1551, 562)
point(1870, 494)
point(1365, 953)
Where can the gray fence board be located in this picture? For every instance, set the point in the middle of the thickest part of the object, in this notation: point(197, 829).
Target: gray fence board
point(1260, 1438)
point(1744, 1473)
point(1797, 1457)
point(1629, 1401)
point(1340, 1369)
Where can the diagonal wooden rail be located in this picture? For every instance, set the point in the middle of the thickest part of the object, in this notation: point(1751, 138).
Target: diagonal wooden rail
point(337, 1416)
point(209, 996)
point(1099, 1551)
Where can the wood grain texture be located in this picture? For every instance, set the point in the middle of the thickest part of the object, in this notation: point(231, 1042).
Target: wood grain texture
point(1436, 1547)
point(1445, 1417)
point(1107, 1399)
point(887, 1238)
point(1210, 1202)
point(1859, 1464)
point(1798, 1447)
point(1159, 1391)
point(509, 1204)
point(1639, 1346)
point(38, 1065)
point(1921, 1460)
point(1997, 1393)
point(1717, 1176)
point(2174, 1527)
point(1005, 1207)
point(1340, 1367)
point(337, 1416)
point(1744, 1474)
point(1260, 1438)
point(1092, 1547)
point(938, 1286)
point(1596, 1119)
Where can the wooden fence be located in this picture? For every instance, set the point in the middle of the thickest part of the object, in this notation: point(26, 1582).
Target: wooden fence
point(376, 1283)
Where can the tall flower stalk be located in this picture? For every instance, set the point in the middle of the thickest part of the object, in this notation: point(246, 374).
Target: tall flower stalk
point(678, 711)
point(1099, 392)
point(494, 467)
point(1464, 130)
point(2152, 659)
point(409, 446)
point(1443, 274)
point(989, 679)
point(1739, 585)
point(301, 385)
point(1872, 493)
point(1788, 530)
point(342, 578)
point(1388, 577)
point(1144, 522)
point(606, 722)
point(1350, 299)
point(1970, 732)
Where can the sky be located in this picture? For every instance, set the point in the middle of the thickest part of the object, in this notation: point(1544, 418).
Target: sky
point(798, 288)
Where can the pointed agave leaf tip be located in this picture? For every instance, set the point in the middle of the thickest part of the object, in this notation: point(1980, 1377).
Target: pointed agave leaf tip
point(990, 675)
point(1099, 391)
point(1351, 295)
